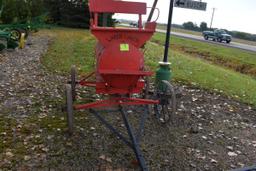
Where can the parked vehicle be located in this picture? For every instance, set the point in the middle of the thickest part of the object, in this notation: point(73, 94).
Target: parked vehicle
point(217, 35)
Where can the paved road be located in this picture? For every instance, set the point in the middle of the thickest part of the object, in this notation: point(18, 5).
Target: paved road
point(200, 38)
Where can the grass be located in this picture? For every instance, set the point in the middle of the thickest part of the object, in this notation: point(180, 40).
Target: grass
point(238, 60)
point(205, 75)
point(72, 46)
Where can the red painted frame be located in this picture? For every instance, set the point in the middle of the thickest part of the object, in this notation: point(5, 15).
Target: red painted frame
point(115, 102)
point(125, 79)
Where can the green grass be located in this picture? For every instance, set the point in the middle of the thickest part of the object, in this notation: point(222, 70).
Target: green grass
point(202, 74)
point(238, 60)
point(70, 46)
point(73, 46)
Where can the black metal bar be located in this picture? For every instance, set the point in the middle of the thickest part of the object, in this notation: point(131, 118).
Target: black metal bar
point(168, 33)
point(111, 110)
point(152, 11)
point(111, 128)
point(136, 148)
point(142, 123)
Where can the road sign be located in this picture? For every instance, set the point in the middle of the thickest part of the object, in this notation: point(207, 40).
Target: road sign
point(190, 4)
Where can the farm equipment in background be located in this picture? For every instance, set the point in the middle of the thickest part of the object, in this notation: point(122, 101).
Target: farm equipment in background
point(11, 34)
point(120, 75)
point(7, 41)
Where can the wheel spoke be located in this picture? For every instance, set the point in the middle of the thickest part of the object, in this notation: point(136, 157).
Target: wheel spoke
point(166, 109)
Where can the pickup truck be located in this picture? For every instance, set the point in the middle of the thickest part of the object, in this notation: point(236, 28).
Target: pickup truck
point(217, 35)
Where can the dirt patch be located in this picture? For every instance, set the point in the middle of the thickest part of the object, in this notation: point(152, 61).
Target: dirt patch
point(209, 131)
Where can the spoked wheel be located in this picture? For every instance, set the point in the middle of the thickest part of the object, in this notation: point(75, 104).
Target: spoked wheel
point(15, 34)
point(165, 110)
point(73, 82)
point(70, 110)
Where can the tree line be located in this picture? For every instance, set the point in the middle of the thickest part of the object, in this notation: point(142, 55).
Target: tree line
point(71, 13)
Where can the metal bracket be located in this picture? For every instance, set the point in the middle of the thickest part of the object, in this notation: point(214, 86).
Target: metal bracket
point(133, 140)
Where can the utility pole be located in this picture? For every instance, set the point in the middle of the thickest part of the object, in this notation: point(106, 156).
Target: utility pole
point(213, 12)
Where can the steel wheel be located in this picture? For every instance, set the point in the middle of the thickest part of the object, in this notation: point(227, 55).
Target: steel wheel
point(70, 110)
point(166, 108)
point(15, 34)
point(73, 82)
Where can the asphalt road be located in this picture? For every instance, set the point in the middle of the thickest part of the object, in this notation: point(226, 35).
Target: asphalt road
point(200, 38)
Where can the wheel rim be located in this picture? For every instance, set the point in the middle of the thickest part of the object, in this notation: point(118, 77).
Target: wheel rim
point(73, 82)
point(69, 104)
point(167, 108)
point(15, 35)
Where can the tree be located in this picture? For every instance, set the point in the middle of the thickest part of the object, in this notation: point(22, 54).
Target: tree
point(203, 26)
point(71, 13)
point(14, 11)
point(189, 25)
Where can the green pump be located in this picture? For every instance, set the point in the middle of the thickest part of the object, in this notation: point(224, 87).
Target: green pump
point(164, 71)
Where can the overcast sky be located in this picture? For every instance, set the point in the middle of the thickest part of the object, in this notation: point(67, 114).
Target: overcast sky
point(237, 15)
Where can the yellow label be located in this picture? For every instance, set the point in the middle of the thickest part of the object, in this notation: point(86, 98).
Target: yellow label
point(124, 47)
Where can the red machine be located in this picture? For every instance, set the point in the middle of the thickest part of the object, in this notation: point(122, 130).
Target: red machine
point(120, 62)
point(120, 70)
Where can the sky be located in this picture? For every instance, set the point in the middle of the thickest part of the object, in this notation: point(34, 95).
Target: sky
point(238, 15)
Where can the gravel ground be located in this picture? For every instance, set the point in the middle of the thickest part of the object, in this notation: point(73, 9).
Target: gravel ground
point(24, 81)
point(209, 131)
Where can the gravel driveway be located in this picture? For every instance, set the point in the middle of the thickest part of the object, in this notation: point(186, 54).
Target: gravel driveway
point(209, 132)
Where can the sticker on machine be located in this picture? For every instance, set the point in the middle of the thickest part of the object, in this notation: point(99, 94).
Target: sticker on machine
point(124, 47)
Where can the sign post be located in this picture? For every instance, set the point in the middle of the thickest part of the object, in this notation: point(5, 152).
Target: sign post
point(164, 71)
point(191, 4)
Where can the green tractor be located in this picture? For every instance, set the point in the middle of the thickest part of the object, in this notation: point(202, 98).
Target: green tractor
point(10, 34)
point(7, 40)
